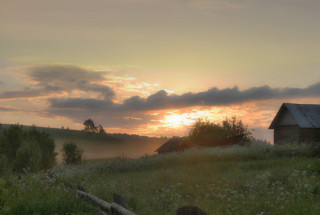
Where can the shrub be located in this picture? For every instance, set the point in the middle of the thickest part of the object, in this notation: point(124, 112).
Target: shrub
point(28, 157)
point(3, 164)
point(204, 131)
point(11, 140)
point(47, 146)
point(23, 149)
point(72, 154)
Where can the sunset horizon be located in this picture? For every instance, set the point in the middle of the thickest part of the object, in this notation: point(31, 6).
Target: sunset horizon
point(154, 67)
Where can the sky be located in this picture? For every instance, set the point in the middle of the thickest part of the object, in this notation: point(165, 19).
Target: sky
point(152, 67)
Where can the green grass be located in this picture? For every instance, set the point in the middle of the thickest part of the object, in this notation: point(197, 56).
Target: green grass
point(257, 179)
point(32, 194)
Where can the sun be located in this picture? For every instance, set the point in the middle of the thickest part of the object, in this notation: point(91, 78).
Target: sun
point(175, 120)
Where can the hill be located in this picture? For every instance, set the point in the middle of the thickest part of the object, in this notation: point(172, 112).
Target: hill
point(256, 179)
point(98, 146)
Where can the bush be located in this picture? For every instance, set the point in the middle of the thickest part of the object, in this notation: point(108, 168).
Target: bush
point(204, 131)
point(11, 140)
point(3, 164)
point(23, 149)
point(72, 154)
point(28, 157)
point(47, 146)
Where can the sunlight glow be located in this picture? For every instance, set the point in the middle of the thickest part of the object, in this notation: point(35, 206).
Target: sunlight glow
point(177, 120)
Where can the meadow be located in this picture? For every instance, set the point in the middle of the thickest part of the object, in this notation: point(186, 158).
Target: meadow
point(256, 179)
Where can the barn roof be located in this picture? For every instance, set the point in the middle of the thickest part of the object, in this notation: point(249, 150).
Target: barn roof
point(174, 144)
point(306, 115)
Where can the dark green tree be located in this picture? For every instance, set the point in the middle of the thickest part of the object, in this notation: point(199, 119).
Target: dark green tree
point(101, 130)
point(234, 127)
point(11, 140)
point(204, 131)
point(89, 126)
point(47, 147)
point(3, 164)
point(72, 154)
point(28, 156)
point(20, 148)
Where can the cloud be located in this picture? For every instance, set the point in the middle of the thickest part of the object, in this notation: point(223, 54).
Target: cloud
point(6, 109)
point(82, 104)
point(219, 4)
point(47, 81)
point(212, 97)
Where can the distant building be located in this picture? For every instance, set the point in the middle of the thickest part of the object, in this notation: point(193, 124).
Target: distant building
point(296, 123)
point(176, 144)
point(173, 145)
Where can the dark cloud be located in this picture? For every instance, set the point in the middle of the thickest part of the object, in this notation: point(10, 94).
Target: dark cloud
point(214, 96)
point(125, 115)
point(83, 104)
point(5, 109)
point(58, 79)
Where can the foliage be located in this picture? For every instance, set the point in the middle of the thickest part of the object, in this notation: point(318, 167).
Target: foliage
point(3, 164)
point(101, 130)
point(26, 149)
point(89, 126)
point(28, 156)
point(11, 140)
point(72, 154)
point(231, 180)
point(246, 180)
point(33, 194)
point(47, 146)
point(204, 131)
point(234, 127)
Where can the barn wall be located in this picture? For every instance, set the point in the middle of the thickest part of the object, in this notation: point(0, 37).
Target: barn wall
point(286, 134)
point(286, 119)
point(310, 135)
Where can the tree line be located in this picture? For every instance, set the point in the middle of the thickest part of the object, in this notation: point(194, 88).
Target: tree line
point(89, 126)
point(32, 150)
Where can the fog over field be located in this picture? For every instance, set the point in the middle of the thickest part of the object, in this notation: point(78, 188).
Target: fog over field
point(101, 150)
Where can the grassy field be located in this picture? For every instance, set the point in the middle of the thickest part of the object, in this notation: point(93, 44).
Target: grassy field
point(254, 180)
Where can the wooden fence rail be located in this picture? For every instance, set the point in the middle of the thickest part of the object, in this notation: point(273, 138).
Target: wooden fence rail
point(113, 207)
point(117, 209)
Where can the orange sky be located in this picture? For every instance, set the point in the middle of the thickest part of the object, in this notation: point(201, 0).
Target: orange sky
point(152, 67)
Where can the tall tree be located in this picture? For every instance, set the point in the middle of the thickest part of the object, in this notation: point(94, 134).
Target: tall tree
point(89, 126)
point(101, 130)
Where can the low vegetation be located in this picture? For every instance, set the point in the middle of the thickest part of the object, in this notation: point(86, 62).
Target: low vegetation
point(22, 150)
point(255, 179)
point(205, 131)
point(72, 154)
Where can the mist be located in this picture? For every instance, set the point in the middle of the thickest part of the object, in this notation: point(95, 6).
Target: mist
point(103, 149)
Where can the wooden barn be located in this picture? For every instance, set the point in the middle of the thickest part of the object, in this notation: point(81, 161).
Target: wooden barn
point(173, 145)
point(296, 123)
point(176, 144)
